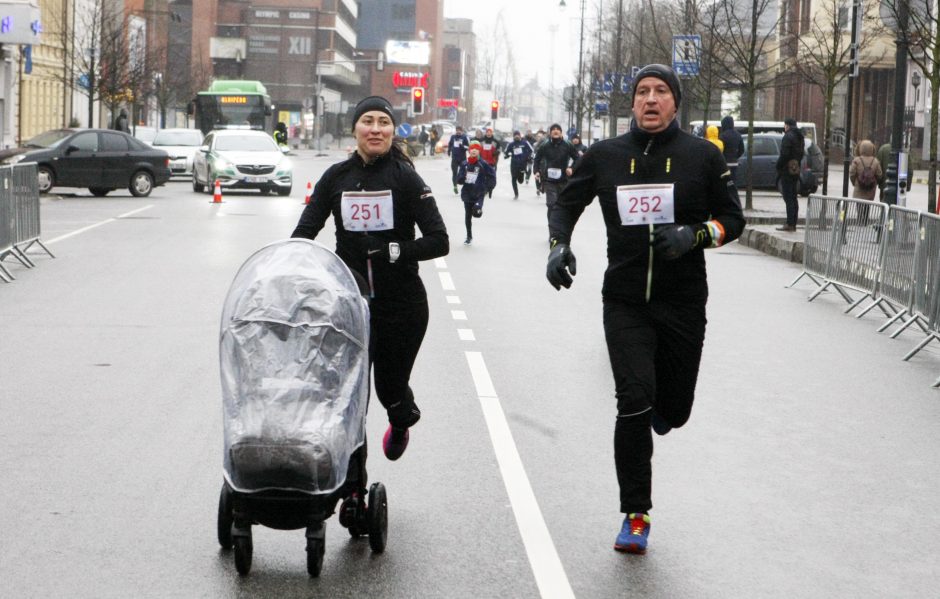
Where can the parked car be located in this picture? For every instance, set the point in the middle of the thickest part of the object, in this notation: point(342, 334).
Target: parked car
point(99, 159)
point(764, 162)
point(144, 134)
point(242, 159)
point(181, 145)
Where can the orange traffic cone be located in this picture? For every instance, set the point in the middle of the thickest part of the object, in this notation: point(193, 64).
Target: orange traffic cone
point(217, 194)
point(309, 193)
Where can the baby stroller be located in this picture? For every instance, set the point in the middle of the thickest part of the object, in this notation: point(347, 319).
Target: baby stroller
point(294, 359)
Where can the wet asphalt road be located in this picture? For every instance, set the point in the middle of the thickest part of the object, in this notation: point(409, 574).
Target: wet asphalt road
point(807, 469)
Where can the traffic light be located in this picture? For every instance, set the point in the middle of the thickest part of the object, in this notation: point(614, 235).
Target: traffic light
point(494, 109)
point(417, 100)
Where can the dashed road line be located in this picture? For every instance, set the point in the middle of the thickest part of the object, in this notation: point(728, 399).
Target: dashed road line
point(446, 281)
point(453, 299)
point(458, 315)
point(466, 335)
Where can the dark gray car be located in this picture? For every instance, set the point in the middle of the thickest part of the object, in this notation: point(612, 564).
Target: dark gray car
point(100, 159)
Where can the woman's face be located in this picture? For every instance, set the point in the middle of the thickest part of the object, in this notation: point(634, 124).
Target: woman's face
point(374, 131)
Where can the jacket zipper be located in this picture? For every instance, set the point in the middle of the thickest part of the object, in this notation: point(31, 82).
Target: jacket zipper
point(649, 272)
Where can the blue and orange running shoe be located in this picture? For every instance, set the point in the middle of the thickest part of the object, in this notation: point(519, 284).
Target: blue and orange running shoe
point(395, 442)
point(633, 535)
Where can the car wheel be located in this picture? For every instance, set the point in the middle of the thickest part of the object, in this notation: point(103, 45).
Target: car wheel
point(197, 186)
point(141, 184)
point(45, 178)
point(283, 191)
point(99, 192)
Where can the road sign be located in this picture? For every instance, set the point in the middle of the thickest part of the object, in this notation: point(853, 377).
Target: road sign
point(404, 130)
point(686, 54)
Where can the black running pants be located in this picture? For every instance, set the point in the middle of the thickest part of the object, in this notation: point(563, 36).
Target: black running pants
point(397, 330)
point(654, 350)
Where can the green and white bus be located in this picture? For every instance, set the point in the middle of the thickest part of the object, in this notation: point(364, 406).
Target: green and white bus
point(233, 104)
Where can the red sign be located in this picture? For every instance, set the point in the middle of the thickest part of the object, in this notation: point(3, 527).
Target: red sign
point(410, 79)
point(447, 102)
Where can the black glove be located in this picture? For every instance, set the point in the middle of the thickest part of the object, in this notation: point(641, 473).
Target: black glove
point(673, 241)
point(560, 262)
point(373, 247)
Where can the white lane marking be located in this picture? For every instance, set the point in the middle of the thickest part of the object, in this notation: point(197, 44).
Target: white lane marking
point(126, 214)
point(440, 263)
point(546, 566)
point(458, 315)
point(90, 227)
point(466, 335)
point(453, 299)
point(446, 281)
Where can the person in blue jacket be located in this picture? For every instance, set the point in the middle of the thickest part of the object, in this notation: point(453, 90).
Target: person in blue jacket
point(519, 151)
point(457, 150)
point(478, 179)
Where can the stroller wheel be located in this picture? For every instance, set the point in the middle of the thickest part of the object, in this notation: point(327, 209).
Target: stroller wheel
point(316, 547)
point(224, 523)
point(243, 550)
point(377, 518)
point(351, 515)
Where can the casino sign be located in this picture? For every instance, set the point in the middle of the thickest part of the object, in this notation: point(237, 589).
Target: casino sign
point(403, 79)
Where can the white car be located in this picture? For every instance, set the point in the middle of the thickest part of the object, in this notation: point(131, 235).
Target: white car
point(181, 145)
point(242, 159)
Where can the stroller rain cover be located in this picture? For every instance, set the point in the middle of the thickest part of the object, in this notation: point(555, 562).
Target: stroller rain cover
point(294, 360)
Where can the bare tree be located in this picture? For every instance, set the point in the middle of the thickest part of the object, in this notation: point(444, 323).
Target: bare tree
point(746, 35)
point(824, 55)
point(923, 27)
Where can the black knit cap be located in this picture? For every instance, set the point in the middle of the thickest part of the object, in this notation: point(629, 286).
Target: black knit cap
point(372, 103)
point(666, 74)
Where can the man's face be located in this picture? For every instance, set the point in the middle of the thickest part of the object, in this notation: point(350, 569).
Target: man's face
point(489, 133)
point(653, 105)
point(459, 130)
point(555, 133)
point(517, 137)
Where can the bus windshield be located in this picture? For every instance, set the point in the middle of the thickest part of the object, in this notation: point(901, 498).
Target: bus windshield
point(231, 111)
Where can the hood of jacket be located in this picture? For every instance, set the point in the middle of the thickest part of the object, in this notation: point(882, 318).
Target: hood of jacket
point(712, 132)
point(865, 148)
point(727, 123)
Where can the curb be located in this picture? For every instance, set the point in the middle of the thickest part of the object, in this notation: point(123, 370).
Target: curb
point(779, 247)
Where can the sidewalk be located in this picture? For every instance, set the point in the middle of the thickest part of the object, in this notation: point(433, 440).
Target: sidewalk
point(769, 212)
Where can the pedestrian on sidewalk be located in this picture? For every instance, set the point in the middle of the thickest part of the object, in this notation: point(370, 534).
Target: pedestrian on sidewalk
point(788, 171)
point(380, 247)
point(865, 171)
point(478, 178)
point(457, 150)
point(655, 286)
point(711, 134)
point(519, 153)
point(733, 145)
point(579, 148)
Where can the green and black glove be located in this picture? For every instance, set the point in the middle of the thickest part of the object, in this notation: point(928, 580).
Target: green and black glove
point(674, 241)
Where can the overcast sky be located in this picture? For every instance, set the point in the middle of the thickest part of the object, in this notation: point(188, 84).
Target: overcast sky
point(527, 22)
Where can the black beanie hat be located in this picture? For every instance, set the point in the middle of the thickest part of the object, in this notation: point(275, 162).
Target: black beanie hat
point(660, 71)
point(554, 126)
point(372, 103)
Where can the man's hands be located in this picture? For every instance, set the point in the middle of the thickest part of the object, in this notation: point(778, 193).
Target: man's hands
point(673, 241)
point(560, 262)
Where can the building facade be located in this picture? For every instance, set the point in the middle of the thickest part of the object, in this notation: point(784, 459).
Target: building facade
point(459, 71)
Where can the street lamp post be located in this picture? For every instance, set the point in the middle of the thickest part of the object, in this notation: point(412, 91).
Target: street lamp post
point(900, 88)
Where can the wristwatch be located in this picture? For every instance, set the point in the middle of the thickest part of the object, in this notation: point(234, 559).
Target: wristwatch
point(394, 251)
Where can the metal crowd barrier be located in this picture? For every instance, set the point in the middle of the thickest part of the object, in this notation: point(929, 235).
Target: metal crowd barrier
point(842, 247)
point(889, 254)
point(19, 216)
point(926, 297)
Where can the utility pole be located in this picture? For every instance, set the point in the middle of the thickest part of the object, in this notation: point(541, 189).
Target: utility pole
point(614, 104)
point(900, 91)
point(850, 100)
